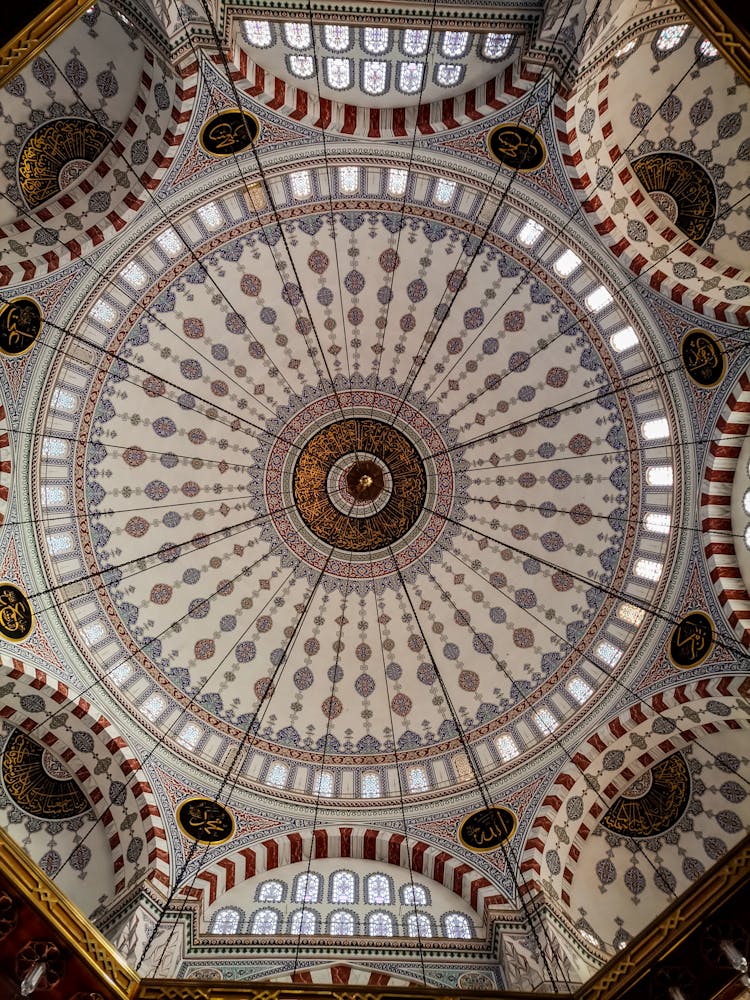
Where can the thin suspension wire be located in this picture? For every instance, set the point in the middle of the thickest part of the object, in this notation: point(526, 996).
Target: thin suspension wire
point(469, 752)
point(228, 783)
point(269, 196)
point(613, 677)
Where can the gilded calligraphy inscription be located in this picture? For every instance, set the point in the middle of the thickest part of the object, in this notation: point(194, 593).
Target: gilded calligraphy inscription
point(487, 829)
point(517, 147)
point(688, 187)
point(704, 360)
point(229, 132)
point(31, 786)
point(16, 616)
point(691, 640)
point(206, 821)
point(55, 146)
point(20, 324)
point(659, 808)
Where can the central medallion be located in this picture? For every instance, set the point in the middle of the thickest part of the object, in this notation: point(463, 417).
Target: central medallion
point(359, 484)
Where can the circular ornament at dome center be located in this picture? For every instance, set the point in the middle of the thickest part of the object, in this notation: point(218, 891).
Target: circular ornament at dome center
point(367, 452)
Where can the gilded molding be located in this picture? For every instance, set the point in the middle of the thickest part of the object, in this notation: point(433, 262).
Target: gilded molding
point(729, 38)
point(37, 35)
point(663, 934)
point(80, 937)
point(178, 989)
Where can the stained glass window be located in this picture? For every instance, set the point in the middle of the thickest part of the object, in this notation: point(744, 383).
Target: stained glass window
point(410, 77)
point(324, 783)
point(60, 544)
point(342, 887)
point(54, 448)
point(746, 502)
point(370, 785)
point(397, 181)
point(456, 925)
point(336, 37)
point(302, 922)
point(495, 46)
point(658, 523)
point(416, 777)
point(210, 215)
point(580, 690)
point(624, 339)
point(448, 74)
point(566, 263)
point(190, 735)
point(461, 766)
point(652, 430)
point(414, 42)
point(659, 475)
point(95, 632)
point(297, 34)
point(707, 50)
point(63, 399)
point(506, 746)
point(301, 184)
point(376, 40)
point(341, 922)
point(271, 892)
point(103, 312)
point(265, 922)
point(134, 274)
point(153, 706)
point(302, 66)
point(170, 242)
point(307, 888)
point(608, 652)
point(277, 775)
point(454, 43)
point(414, 895)
point(669, 38)
point(257, 33)
point(338, 73)
point(380, 924)
point(628, 47)
point(378, 889)
point(374, 76)
point(418, 925)
point(598, 299)
point(444, 191)
point(648, 569)
point(54, 496)
point(546, 720)
point(225, 921)
point(120, 673)
point(631, 614)
point(530, 232)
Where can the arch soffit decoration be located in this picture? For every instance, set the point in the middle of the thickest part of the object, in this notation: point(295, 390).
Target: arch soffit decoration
point(362, 843)
point(113, 220)
point(615, 734)
point(106, 737)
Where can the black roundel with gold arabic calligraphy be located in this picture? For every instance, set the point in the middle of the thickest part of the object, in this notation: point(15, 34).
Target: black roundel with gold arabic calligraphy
point(20, 324)
point(229, 132)
point(204, 820)
point(37, 782)
point(56, 154)
point(16, 616)
point(487, 829)
point(682, 189)
point(654, 802)
point(517, 147)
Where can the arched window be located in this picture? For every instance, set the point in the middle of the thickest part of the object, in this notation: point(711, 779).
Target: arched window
point(265, 922)
point(270, 892)
point(414, 895)
point(380, 925)
point(378, 889)
point(341, 922)
point(307, 888)
point(343, 887)
point(303, 922)
point(418, 925)
point(456, 925)
point(226, 921)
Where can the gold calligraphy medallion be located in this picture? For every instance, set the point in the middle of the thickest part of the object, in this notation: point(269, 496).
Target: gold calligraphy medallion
point(16, 616)
point(682, 189)
point(354, 512)
point(704, 360)
point(516, 147)
point(654, 803)
point(487, 829)
point(204, 820)
point(38, 783)
point(20, 325)
point(691, 640)
point(228, 133)
point(57, 153)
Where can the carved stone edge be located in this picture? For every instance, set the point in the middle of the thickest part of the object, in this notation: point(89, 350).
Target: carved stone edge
point(682, 917)
point(66, 919)
point(732, 41)
point(179, 989)
point(37, 35)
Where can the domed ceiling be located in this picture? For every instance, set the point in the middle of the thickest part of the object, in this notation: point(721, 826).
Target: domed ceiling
point(362, 472)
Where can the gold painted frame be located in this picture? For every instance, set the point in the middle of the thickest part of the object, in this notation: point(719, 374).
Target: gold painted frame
point(37, 35)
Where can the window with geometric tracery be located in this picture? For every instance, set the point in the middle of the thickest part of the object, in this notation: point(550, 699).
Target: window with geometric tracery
point(456, 925)
point(307, 888)
point(341, 922)
point(380, 925)
point(226, 921)
point(303, 922)
point(418, 925)
point(265, 922)
point(270, 892)
point(378, 890)
point(343, 887)
point(414, 895)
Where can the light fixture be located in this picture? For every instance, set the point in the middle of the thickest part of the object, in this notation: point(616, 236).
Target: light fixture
point(734, 956)
point(32, 978)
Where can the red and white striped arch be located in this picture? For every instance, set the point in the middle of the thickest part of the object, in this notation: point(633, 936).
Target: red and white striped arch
point(572, 778)
point(715, 509)
point(58, 695)
point(366, 843)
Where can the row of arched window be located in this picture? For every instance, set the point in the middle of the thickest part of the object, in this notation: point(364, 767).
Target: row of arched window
point(341, 923)
point(343, 887)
